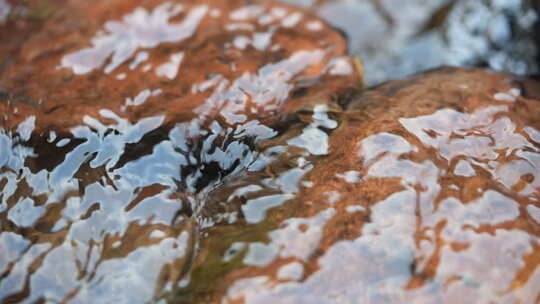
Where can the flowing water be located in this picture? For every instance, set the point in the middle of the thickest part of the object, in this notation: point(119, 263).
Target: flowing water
point(395, 39)
point(220, 152)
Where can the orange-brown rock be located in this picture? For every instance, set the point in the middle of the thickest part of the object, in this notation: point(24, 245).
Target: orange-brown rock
point(184, 60)
point(420, 190)
point(101, 182)
point(426, 190)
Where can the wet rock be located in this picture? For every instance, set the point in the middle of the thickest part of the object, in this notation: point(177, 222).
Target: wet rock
point(176, 182)
point(420, 190)
point(195, 60)
point(118, 117)
point(17, 18)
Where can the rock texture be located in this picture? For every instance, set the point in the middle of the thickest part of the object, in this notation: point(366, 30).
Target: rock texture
point(184, 61)
point(428, 191)
point(118, 117)
point(217, 152)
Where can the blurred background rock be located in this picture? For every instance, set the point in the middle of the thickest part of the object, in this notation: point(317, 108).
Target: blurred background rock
point(396, 38)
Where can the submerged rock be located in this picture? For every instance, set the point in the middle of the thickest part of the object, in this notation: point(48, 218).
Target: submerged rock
point(119, 116)
point(182, 61)
point(421, 190)
point(216, 152)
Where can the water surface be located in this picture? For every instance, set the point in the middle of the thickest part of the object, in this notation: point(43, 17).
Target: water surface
point(217, 152)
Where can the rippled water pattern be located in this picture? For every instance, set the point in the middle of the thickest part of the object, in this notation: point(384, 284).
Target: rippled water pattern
point(407, 215)
point(109, 206)
point(424, 191)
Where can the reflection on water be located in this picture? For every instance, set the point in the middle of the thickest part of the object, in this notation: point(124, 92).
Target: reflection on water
point(107, 163)
point(396, 40)
point(140, 29)
point(441, 207)
point(212, 153)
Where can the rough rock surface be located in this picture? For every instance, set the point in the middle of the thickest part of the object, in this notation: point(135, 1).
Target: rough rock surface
point(174, 182)
point(141, 59)
point(427, 190)
point(118, 116)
